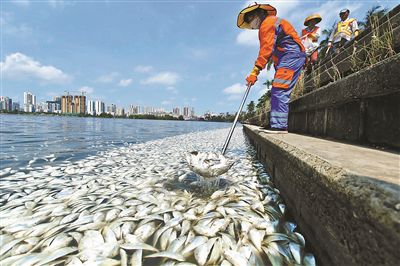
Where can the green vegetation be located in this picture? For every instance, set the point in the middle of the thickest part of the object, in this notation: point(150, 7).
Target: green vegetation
point(154, 117)
point(373, 14)
point(250, 111)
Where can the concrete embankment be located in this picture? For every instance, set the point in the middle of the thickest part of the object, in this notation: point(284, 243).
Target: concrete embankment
point(345, 198)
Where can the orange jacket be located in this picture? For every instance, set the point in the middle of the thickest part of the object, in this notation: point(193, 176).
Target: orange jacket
point(315, 32)
point(285, 36)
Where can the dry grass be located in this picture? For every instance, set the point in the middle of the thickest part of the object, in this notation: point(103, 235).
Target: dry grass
point(298, 89)
point(334, 72)
point(380, 47)
point(316, 78)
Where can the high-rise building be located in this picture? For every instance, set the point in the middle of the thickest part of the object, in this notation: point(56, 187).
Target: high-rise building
point(67, 104)
point(134, 110)
point(29, 102)
point(5, 103)
point(41, 107)
point(15, 106)
point(91, 108)
point(186, 111)
point(80, 104)
point(73, 104)
point(99, 107)
point(192, 114)
point(176, 111)
point(111, 109)
point(120, 111)
point(148, 110)
point(54, 106)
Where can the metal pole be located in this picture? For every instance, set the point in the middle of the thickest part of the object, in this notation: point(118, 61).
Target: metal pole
point(228, 139)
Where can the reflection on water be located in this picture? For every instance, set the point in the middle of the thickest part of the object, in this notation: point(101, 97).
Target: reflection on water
point(33, 140)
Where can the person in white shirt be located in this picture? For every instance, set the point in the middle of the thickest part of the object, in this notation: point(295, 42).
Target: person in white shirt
point(345, 30)
point(309, 38)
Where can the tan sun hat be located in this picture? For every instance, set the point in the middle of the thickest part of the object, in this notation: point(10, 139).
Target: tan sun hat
point(240, 20)
point(317, 17)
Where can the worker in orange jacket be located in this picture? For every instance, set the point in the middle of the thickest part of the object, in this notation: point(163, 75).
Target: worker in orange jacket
point(279, 42)
point(309, 38)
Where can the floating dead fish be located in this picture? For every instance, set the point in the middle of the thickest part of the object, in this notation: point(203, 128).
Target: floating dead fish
point(209, 164)
point(113, 209)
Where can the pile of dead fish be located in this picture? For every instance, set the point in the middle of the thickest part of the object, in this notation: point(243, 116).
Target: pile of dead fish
point(113, 209)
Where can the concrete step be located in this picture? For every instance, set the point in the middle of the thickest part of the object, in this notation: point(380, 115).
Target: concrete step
point(361, 108)
point(345, 198)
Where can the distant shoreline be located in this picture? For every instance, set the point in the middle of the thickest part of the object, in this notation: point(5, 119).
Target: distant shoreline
point(140, 117)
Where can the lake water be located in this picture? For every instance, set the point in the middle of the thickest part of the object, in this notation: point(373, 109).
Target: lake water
point(50, 139)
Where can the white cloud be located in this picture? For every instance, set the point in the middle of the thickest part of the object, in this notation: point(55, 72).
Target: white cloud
point(86, 89)
point(108, 78)
point(20, 66)
point(163, 78)
point(143, 69)
point(236, 88)
point(10, 27)
point(234, 97)
point(248, 37)
point(125, 82)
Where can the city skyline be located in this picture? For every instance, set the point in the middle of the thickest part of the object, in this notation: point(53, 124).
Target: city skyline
point(164, 53)
point(78, 104)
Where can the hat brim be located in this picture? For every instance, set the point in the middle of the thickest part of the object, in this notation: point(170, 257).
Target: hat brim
point(244, 25)
point(317, 18)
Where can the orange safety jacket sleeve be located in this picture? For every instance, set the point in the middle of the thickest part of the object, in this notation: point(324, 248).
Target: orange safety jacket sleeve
point(266, 35)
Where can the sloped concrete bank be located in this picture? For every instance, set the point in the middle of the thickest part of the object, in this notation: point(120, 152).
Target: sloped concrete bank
point(361, 108)
point(345, 198)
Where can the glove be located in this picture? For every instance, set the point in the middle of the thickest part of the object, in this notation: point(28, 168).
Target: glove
point(329, 44)
point(252, 77)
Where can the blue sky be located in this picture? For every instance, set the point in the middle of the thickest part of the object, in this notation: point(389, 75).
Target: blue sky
point(149, 53)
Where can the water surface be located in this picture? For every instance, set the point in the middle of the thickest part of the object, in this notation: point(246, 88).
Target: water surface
point(40, 139)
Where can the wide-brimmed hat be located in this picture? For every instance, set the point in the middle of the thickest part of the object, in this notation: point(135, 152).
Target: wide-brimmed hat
point(344, 11)
point(271, 11)
point(316, 17)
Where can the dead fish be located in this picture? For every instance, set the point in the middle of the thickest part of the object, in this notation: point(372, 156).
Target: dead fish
point(145, 231)
point(51, 256)
point(196, 241)
point(138, 245)
point(137, 257)
point(201, 252)
point(235, 258)
point(256, 237)
point(177, 244)
point(167, 254)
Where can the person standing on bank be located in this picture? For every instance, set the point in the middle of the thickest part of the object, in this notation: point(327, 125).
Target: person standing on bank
point(279, 42)
point(345, 30)
point(309, 38)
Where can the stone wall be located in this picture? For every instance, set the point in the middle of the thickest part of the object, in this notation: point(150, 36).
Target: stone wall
point(347, 218)
point(362, 108)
